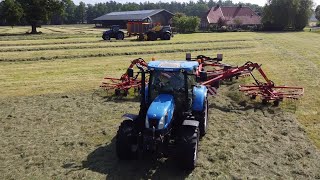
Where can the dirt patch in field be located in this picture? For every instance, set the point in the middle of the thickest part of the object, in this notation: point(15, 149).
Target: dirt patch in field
point(72, 136)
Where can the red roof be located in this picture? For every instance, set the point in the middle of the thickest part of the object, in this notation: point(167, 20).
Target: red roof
point(244, 14)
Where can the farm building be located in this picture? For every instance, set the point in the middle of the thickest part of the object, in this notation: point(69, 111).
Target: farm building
point(230, 16)
point(122, 18)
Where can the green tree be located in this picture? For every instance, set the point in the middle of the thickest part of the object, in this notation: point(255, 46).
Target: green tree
point(80, 12)
point(303, 14)
point(317, 12)
point(283, 14)
point(193, 23)
point(186, 23)
point(69, 12)
point(176, 18)
point(198, 9)
point(39, 11)
point(11, 12)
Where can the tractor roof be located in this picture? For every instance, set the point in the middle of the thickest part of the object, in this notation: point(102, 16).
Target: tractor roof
point(173, 65)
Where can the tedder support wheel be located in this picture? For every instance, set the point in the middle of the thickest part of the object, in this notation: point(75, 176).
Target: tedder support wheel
point(187, 147)
point(203, 119)
point(126, 141)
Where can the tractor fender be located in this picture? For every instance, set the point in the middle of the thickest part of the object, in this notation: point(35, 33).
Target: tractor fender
point(131, 117)
point(190, 123)
point(199, 96)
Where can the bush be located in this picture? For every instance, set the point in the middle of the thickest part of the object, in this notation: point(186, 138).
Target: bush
point(186, 24)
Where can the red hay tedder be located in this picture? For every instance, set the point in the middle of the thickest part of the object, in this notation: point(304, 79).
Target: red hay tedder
point(214, 72)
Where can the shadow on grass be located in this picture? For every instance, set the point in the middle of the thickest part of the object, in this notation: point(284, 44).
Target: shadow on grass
point(19, 34)
point(104, 160)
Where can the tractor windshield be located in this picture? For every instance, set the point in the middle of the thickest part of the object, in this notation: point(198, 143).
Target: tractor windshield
point(167, 81)
point(170, 83)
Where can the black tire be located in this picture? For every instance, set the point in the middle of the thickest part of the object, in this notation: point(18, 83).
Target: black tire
point(126, 141)
point(166, 36)
point(152, 36)
point(120, 36)
point(264, 101)
point(187, 147)
point(203, 119)
point(106, 37)
point(141, 37)
point(117, 92)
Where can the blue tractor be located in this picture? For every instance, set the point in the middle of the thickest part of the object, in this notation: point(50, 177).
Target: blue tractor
point(114, 32)
point(173, 114)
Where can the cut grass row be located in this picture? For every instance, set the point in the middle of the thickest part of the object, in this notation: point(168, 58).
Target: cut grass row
point(110, 54)
point(14, 37)
point(99, 44)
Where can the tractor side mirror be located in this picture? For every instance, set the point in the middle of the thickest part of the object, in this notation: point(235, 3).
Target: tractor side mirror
point(203, 76)
point(130, 72)
point(188, 56)
point(219, 57)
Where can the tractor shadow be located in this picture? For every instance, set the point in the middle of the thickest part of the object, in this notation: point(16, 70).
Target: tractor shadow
point(104, 160)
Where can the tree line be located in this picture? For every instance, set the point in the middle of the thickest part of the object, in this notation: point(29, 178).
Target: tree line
point(287, 14)
point(22, 12)
point(276, 14)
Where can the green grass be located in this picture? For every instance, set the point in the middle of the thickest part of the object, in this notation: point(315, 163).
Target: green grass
point(78, 63)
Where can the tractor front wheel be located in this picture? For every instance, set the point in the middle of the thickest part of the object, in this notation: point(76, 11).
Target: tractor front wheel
point(166, 36)
point(126, 141)
point(187, 145)
point(106, 37)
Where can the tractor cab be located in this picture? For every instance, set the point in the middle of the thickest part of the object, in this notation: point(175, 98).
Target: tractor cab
point(174, 78)
point(115, 28)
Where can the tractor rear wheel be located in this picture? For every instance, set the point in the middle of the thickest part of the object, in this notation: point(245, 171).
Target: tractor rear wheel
point(203, 119)
point(126, 141)
point(188, 142)
point(152, 36)
point(120, 36)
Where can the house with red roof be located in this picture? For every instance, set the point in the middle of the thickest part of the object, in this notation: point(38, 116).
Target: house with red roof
point(230, 16)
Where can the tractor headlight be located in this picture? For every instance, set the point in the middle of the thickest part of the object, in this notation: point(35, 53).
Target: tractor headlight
point(147, 122)
point(161, 123)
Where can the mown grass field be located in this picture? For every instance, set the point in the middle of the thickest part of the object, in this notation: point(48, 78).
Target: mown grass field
point(54, 126)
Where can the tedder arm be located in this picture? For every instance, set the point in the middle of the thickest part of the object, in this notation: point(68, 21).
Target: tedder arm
point(121, 86)
point(266, 90)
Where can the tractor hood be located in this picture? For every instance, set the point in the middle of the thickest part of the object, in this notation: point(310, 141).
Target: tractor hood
point(160, 112)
